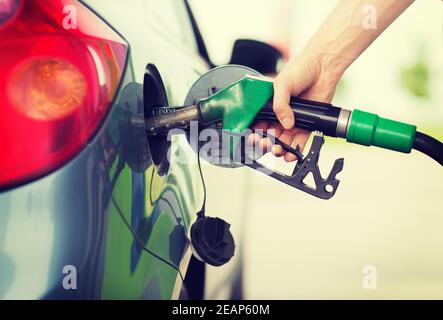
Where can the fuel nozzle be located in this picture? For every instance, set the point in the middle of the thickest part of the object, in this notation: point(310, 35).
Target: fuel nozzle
point(251, 98)
point(238, 104)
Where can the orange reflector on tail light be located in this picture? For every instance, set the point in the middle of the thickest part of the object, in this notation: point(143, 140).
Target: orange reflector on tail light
point(47, 88)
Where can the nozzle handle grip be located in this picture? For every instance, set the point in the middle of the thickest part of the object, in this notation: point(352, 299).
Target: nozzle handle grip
point(309, 115)
point(314, 115)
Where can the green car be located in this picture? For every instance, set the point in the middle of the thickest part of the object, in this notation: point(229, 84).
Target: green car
point(89, 208)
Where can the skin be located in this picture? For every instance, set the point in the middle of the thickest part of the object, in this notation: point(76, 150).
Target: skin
point(315, 72)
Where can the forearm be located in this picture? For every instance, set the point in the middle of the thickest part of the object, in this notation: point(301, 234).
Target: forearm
point(350, 28)
point(313, 75)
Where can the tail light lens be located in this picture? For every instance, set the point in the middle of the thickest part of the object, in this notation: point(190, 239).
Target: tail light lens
point(60, 67)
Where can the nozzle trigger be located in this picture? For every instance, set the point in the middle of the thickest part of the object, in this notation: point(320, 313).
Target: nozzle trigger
point(324, 188)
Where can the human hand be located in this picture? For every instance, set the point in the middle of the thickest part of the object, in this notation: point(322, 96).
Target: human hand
point(314, 74)
point(308, 76)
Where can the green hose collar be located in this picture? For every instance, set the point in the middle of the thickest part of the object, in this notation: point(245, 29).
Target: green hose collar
point(369, 129)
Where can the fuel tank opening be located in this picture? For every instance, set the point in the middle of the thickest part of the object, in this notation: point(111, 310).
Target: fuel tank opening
point(154, 96)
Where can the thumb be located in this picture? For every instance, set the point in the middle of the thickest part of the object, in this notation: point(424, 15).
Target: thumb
point(282, 95)
point(292, 81)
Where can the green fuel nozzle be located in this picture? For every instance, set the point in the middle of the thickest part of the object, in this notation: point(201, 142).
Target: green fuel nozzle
point(250, 98)
point(369, 129)
point(238, 104)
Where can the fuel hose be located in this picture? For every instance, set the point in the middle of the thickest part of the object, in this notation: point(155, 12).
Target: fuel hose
point(429, 146)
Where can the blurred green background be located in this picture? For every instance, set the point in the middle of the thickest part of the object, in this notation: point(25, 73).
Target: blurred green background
point(388, 210)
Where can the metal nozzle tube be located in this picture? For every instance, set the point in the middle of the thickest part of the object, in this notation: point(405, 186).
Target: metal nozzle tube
point(170, 120)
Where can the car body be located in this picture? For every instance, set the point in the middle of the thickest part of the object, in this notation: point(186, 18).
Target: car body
point(74, 231)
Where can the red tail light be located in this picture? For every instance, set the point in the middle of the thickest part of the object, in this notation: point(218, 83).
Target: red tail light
point(60, 67)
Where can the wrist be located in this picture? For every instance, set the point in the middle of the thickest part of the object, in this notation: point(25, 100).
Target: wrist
point(327, 72)
point(332, 63)
point(333, 66)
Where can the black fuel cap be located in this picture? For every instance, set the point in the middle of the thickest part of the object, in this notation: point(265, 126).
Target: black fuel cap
point(212, 240)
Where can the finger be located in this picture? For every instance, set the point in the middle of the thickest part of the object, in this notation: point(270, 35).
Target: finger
point(258, 125)
point(287, 137)
point(254, 138)
point(278, 151)
point(282, 95)
point(265, 145)
point(275, 130)
point(290, 157)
